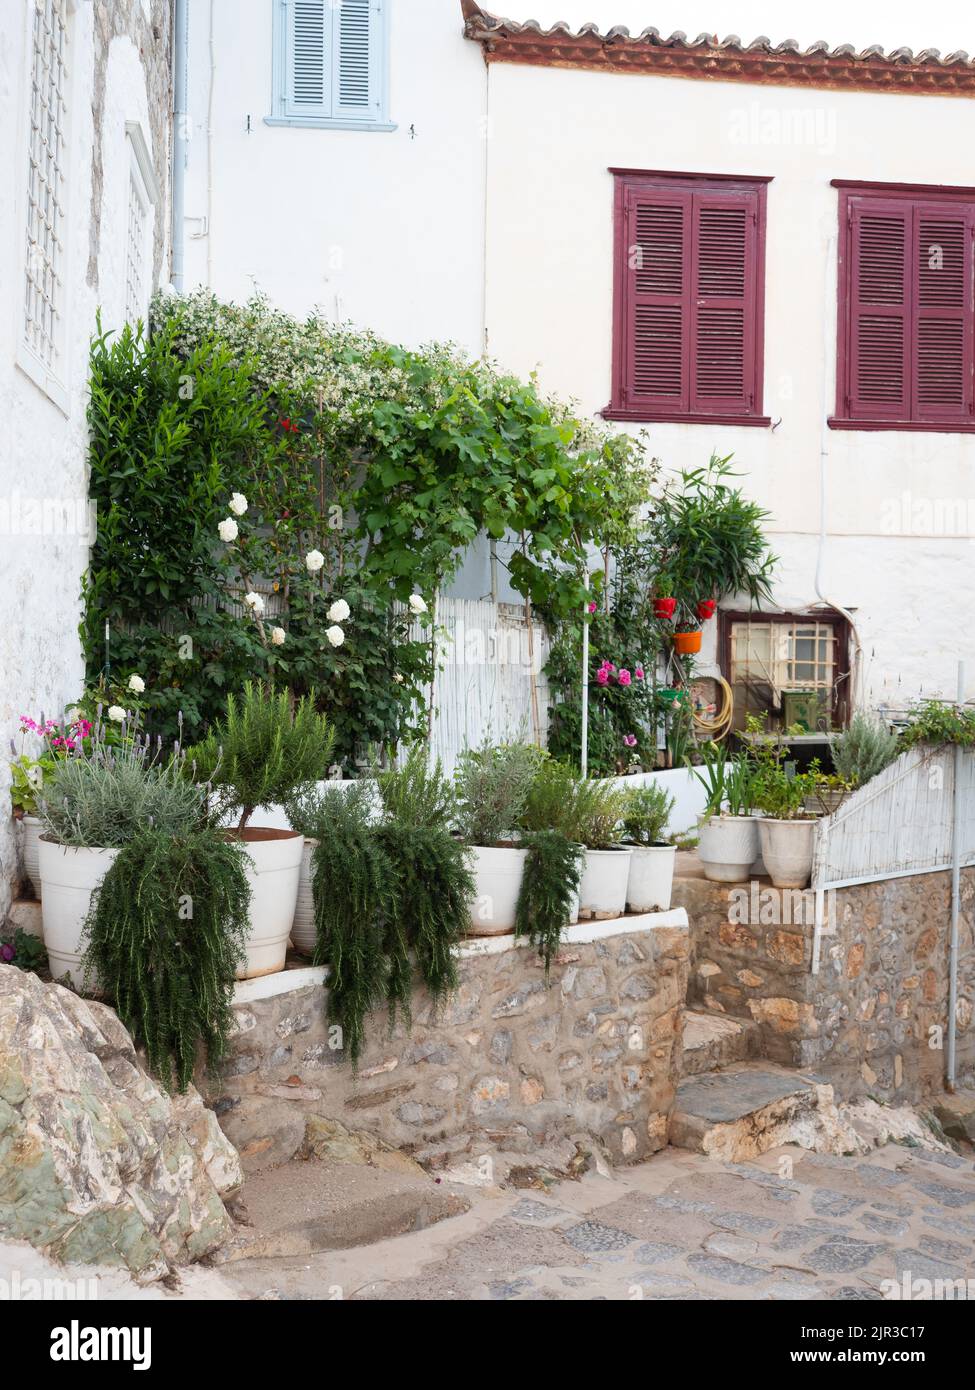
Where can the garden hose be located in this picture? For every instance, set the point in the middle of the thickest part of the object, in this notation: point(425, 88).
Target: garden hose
point(716, 728)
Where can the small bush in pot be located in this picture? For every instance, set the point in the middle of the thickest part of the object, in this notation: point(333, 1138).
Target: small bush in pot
point(492, 786)
point(787, 831)
point(651, 877)
point(167, 929)
point(264, 749)
point(728, 839)
point(862, 750)
point(549, 899)
point(598, 814)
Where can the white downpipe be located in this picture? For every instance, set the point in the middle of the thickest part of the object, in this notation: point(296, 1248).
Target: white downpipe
point(822, 834)
point(180, 118)
point(823, 458)
point(955, 897)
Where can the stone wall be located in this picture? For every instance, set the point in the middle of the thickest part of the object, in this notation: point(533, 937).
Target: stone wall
point(512, 1062)
point(873, 1019)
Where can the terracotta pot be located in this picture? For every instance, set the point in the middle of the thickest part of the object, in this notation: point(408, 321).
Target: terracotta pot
point(304, 932)
point(727, 847)
point(69, 875)
point(273, 871)
point(31, 827)
point(686, 643)
point(602, 892)
point(787, 848)
point(705, 609)
point(651, 879)
point(664, 607)
point(498, 871)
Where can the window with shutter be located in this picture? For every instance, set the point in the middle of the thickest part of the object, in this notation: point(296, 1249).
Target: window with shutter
point(689, 298)
point(906, 318)
point(330, 64)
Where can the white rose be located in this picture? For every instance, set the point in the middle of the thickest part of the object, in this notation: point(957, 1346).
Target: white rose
point(278, 635)
point(314, 561)
point(254, 602)
point(398, 678)
point(417, 604)
point(335, 635)
point(339, 611)
point(116, 714)
point(137, 685)
point(228, 530)
point(238, 504)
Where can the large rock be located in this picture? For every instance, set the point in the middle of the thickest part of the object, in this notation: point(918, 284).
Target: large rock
point(98, 1165)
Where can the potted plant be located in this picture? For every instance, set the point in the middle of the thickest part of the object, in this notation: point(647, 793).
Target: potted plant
point(862, 750)
point(705, 609)
point(598, 825)
point(651, 877)
point(492, 785)
point(259, 754)
point(94, 804)
point(28, 771)
point(549, 899)
point(687, 632)
point(728, 836)
point(312, 810)
point(787, 831)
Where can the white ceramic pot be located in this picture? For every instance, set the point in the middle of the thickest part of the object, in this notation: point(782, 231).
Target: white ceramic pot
point(304, 933)
point(273, 871)
point(727, 847)
point(651, 878)
point(602, 893)
point(69, 876)
point(498, 872)
point(30, 830)
point(787, 848)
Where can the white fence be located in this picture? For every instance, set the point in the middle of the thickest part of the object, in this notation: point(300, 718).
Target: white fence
point(900, 823)
point(489, 684)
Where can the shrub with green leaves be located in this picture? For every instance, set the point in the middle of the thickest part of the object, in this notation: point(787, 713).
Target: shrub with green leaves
point(550, 883)
point(493, 784)
point(106, 797)
point(647, 812)
point(862, 750)
point(550, 804)
point(417, 794)
point(167, 929)
point(598, 812)
point(938, 722)
point(264, 749)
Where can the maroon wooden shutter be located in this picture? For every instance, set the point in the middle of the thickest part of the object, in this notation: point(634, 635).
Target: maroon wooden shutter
point(879, 383)
point(723, 316)
point(942, 386)
point(658, 253)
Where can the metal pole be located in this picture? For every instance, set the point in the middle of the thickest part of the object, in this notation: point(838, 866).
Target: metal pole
point(955, 894)
point(584, 737)
point(180, 133)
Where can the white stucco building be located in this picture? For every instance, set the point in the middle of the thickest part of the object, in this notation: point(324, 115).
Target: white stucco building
point(85, 97)
point(431, 171)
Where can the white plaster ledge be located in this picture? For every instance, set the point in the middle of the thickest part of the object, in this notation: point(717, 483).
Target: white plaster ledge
point(581, 934)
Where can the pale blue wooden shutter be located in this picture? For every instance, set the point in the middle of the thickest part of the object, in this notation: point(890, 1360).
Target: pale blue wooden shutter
point(358, 32)
point(310, 46)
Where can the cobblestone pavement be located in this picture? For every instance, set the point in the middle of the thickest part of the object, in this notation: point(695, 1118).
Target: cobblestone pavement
point(789, 1225)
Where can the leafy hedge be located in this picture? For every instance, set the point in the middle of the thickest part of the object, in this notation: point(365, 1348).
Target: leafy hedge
point(386, 461)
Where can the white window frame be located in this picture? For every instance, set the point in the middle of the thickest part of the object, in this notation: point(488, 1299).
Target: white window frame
point(143, 187)
point(50, 377)
point(281, 115)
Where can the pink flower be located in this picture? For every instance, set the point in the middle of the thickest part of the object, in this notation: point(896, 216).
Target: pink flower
point(602, 676)
point(638, 673)
point(630, 740)
point(592, 606)
point(6, 952)
point(625, 677)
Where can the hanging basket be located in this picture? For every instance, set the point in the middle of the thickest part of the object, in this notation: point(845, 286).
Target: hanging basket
point(705, 609)
point(686, 643)
point(664, 608)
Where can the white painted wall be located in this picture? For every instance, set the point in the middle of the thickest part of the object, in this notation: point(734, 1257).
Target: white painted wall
point(44, 520)
point(385, 228)
point(555, 133)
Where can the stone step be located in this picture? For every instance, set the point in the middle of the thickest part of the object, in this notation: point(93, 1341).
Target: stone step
point(712, 1041)
point(746, 1110)
point(312, 1205)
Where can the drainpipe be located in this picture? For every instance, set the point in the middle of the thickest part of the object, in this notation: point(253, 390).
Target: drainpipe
point(180, 143)
point(955, 896)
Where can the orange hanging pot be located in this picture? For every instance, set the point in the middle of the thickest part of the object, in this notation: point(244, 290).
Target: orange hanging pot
point(686, 643)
